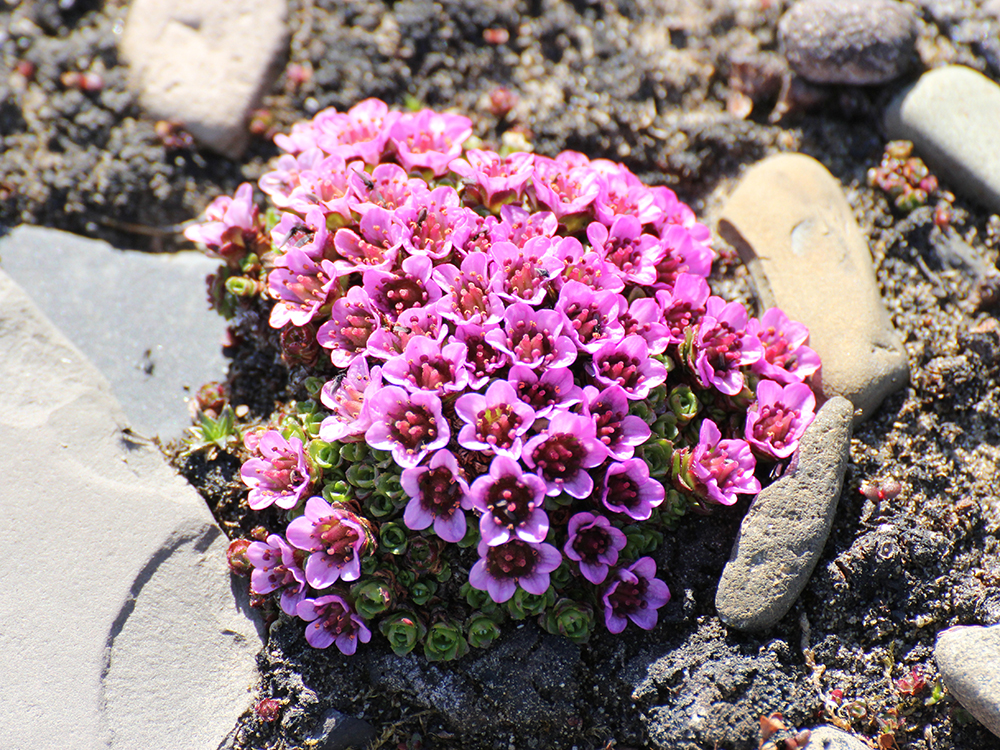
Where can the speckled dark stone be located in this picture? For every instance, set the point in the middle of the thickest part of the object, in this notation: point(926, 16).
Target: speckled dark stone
point(854, 42)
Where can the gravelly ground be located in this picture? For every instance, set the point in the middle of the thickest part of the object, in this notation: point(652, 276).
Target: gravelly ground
point(645, 83)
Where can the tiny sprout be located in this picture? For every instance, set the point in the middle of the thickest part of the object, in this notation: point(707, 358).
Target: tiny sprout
point(268, 709)
point(236, 556)
point(885, 490)
point(912, 683)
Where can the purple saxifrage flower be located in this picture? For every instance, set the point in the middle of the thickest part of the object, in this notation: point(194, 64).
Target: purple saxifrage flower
point(553, 389)
point(438, 492)
point(620, 431)
point(494, 179)
point(280, 476)
point(534, 338)
point(227, 220)
point(627, 363)
point(722, 346)
point(425, 365)
point(277, 566)
point(332, 620)
point(408, 424)
point(510, 502)
point(786, 358)
point(594, 544)
point(467, 295)
point(347, 398)
point(336, 539)
point(524, 274)
point(429, 140)
point(302, 286)
point(562, 454)
point(592, 315)
point(635, 596)
point(504, 567)
point(394, 292)
point(723, 467)
point(494, 422)
point(352, 322)
point(776, 422)
point(627, 489)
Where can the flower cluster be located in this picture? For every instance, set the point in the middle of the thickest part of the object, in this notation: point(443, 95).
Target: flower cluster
point(519, 379)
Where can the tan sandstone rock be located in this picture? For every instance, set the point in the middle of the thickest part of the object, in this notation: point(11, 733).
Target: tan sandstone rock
point(792, 226)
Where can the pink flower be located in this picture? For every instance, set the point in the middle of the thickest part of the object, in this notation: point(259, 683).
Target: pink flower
point(347, 398)
point(594, 544)
point(280, 476)
point(563, 452)
point(510, 502)
point(565, 191)
point(722, 346)
point(627, 363)
point(778, 419)
point(410, 425)
point(632, 254)
point(227, 220)
point(277, 566)
point(635, 595)
point(360, 133)
point(786, 358)
point(723, 467)
point(332, 620)
point(494, 423)
point(494, 179)
point(628, 489)
point(425, 365)
point(335, 538)
point(429, 140)
point(438, 492)
point(501, 569)
point(352, 322)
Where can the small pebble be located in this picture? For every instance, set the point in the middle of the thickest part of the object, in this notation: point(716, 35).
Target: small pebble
point(951, 116)
point(853, 42)
point(791, 224)
point(786, 528)
point(828, 738)
point(969, 661)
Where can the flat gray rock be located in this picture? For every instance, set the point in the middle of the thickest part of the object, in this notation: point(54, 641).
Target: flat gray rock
point(784, 532)
point(853, 42)
point(831, 738)
point(143, 319)
point(969, 661)
point(951, 115)
point(121, 630)
point(792, 226)
point(205, 63)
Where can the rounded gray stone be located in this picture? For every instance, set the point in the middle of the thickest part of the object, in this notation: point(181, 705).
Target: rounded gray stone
point(786, 528)
point(968, 658)
point(806, 254)
point(854, 42)
point(951, 115)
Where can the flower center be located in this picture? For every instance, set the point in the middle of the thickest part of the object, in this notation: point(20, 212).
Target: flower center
point(431, 373)
point(400, 294)
point(719, 465)
point(722, 347)
point(484, 358)
point(439, 492)
point(773, 425)
point(623, 491)
point(628, 598)
point(510, 502)
point(338, 538)
point(497, 425)
point(515, 559)
point(559, 457)
point(586, 321)
point(414, 427)
point(609, 426)
point(537, 395)
point(528, 343)
point(591, 543)
point(621, 368)
point(337, 621)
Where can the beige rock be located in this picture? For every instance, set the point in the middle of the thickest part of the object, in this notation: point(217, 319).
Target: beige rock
point(968, 658)
point(792, 226)
point(205, 63)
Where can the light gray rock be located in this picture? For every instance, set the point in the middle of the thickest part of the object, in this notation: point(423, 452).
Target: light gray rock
point(951, 116)
point(854, 42)
point(784, 532)
point(205, 63)
point(120, 629)
point(830, 738)
point(969, 661)
point(792, 226)
point(143, 319)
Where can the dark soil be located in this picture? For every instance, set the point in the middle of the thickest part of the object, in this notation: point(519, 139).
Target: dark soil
point(645, 83)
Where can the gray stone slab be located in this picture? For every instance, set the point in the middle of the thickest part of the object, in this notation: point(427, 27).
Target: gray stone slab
point(951, 115)
point(792, 226)
point(143, 319)
point(968, 658)
point(784, 532)
point(205, 63)
point(119, 627)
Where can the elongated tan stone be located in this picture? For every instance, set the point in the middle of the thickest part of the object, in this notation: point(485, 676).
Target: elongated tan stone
point(784, 532)
point(968, 658)
point(792, 226)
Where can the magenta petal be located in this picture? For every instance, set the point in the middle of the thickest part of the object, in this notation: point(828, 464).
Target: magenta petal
point(594, 573)
point(501, 591)
point(451, 529)
point(317, 635)
point(644, 618)
point(415, 517)
point(537, 583)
